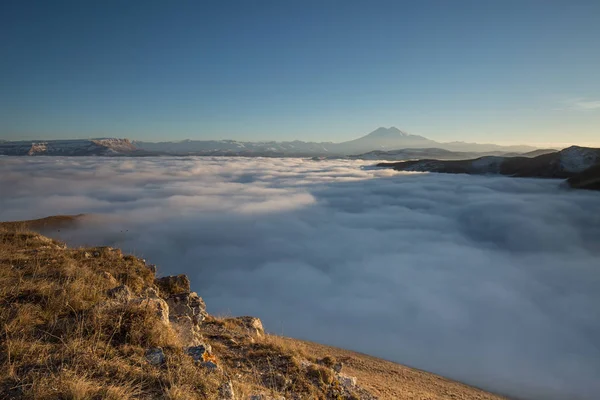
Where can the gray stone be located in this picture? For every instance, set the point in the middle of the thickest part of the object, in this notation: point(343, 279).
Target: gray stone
point(155, 356)
point(187, 330)
point(210, 365)
point(158, 305)
point(197, 352)
point(120, 293)
point(253, 324)
point(348, 382)
point(187, 305)
point(337, 367)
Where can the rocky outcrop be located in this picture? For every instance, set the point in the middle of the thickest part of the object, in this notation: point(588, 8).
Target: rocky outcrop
point(252, 324)
point(188, 305)
point(120, 293)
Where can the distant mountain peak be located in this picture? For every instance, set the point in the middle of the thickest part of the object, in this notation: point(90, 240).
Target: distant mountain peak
point(390, 132)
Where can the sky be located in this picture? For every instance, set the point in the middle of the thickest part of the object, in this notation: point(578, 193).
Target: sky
point(505, 71)
point(486, 279)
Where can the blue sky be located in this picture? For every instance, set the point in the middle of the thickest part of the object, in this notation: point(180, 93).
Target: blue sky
point(488, 71)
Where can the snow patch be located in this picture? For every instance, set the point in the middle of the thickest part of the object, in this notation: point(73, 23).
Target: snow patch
point(578, 159)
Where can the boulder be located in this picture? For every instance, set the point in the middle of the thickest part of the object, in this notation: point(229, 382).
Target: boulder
point(200, 352)
point(158, 305)
point(253, 324)
point(337, 367)
point(210, 365)
point(187, 305)
point(155, 356)
point(187, 330)
point(202, 355)
point(348, 382)
point(109, 278)
point(120, 293)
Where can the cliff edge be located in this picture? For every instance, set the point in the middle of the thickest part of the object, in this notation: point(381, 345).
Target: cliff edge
point(93, 323)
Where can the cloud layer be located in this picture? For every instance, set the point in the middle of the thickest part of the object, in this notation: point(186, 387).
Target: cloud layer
point(489, 280)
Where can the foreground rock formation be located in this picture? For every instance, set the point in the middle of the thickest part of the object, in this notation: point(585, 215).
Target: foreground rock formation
point(96, 324)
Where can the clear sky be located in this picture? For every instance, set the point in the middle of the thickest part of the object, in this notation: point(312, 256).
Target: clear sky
point(484, 70)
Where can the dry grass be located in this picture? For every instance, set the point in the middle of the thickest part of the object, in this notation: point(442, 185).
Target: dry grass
point(63, 338)
point(56, 222)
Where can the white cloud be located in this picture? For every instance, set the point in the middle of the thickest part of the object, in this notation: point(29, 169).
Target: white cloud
point(581, 104)
point(489, 280)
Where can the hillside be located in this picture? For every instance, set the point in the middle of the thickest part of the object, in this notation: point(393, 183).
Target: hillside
point(578, 164)
point(82, 147)
point(92, 323)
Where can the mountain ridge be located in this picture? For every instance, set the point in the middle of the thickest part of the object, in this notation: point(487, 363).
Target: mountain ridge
point(580, 166)
point(381, 139)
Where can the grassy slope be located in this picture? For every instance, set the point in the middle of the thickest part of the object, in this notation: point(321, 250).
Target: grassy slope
point(63, 338)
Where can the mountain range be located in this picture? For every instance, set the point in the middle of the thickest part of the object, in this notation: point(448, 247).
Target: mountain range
point(381, 139)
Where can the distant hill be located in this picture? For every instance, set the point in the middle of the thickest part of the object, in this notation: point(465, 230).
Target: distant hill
point(578, 164)
point(79, 147)
point(381, 139)
point(440, 154)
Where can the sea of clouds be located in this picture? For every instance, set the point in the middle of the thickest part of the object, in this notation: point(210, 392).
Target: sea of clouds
point(489, 280)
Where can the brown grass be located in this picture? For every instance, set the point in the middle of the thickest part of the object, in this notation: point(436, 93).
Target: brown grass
point(63, 338)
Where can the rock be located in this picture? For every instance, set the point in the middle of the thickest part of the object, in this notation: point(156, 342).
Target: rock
point(96, 254)
point(158, 305)
point(198, 352)
point(226, 391)
point(348, 382)
point(155, 356)
point(187, 305)
point(121, 293)
point(210, 365)
point(151, 292)
point(253, 324)
point(202, 355)
point(111, 279)
point(337, 367)
point(174, 284)
point(187, 330)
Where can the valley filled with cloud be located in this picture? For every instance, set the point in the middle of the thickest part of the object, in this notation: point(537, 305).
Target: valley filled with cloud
point(489, 280)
